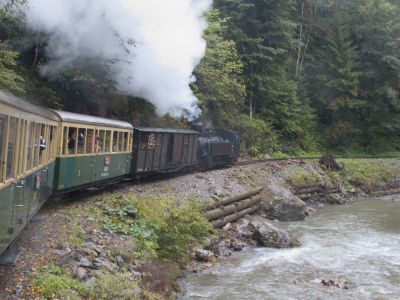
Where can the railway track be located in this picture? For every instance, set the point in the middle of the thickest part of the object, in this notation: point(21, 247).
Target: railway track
point(256, 161)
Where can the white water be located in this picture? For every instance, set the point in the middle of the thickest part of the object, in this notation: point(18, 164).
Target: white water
point(358, 242)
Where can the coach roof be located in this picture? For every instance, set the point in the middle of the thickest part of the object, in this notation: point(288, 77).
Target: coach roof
point(91, 120)
point(166, 130)
point(23, 105)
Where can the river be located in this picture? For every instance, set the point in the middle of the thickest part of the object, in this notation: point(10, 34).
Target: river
point(359, 243)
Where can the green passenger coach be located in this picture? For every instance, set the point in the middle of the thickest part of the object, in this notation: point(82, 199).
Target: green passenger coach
point(91, 150)
point(28, 136)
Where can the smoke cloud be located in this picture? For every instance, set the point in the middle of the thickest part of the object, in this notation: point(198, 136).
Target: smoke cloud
point(150, 47)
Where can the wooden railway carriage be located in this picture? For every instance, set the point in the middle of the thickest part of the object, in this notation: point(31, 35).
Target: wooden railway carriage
point(158, 150)
point(28, 137)
point(91, 150)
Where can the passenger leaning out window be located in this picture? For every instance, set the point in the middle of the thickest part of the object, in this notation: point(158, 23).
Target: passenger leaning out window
point(42, 143)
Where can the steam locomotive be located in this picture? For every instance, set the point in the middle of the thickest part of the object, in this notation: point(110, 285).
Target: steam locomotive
point(44, 152)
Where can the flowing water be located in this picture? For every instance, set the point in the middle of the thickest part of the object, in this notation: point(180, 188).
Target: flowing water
point(359, 243)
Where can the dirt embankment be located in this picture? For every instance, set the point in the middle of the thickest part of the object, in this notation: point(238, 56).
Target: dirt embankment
point(134, 242)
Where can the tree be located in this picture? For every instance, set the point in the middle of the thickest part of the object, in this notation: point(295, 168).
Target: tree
point(220, 83)
point(333, 82)
point(263, 32)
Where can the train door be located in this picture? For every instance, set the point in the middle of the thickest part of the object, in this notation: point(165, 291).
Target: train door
point(21, 188)
point(185, 149)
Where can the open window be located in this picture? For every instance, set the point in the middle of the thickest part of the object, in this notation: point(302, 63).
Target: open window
point(148, 141)
point(12, 147)
point(81, 141)
point(90, 141)
point(3, 128)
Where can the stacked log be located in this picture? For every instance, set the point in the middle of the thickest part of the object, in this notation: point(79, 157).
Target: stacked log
point(307, 192)
point(233, 208)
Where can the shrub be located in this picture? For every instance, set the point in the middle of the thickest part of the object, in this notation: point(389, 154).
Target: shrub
point(57, 283)
point(181, 229)
point(120, 286)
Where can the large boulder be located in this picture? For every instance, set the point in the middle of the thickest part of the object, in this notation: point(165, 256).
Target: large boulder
point(280, 203)
point(268, 235)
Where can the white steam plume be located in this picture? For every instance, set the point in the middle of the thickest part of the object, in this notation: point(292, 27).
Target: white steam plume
point(151, 46)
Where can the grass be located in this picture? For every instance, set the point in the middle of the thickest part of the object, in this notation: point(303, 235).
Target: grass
point(250, 177)
point(159, 226)
point(369, 172)
point(299, 176)
point(57, 283)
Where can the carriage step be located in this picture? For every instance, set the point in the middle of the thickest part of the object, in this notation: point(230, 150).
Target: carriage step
point(9, 257)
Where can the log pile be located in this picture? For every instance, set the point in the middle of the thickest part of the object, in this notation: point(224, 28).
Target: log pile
point(306, 193)
point(233, 208)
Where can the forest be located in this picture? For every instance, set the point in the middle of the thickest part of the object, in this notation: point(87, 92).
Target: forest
point(292, 76)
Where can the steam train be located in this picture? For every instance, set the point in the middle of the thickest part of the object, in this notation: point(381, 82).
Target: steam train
point(44, 152)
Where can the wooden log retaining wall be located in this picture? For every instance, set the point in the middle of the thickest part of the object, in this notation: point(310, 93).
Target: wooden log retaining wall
point(233, 208)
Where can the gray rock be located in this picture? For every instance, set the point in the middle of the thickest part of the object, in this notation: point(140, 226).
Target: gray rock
point(205, 255)
point(310, 211)
point(81, 273)
point(84, 262)
point(120, 261)
point(271, 236)
point(219, 247)
point(18, 290)
point(62, 252)
point(285, 208)
point(109, 266)
point(242, 228)
point(97, 248)
point(236, 245)
point(91, 254)
point(98, 264)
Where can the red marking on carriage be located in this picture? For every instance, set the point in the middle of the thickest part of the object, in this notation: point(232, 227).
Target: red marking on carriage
point(107, 160)
point(38, 180)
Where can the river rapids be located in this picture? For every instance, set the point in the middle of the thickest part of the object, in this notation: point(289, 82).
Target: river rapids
point(358, 244)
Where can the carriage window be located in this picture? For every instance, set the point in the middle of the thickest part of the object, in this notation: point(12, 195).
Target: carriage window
point(51, 142)
point(126, 141)
point(3, 125)
point(148, 141)
point(72, 140)
point(100, 141)
point(65, 141)
point(22, 147)
point(115, 142)
point(108, 141)
point(89, 140)
point(42, 143)
point(36, 144)
point(29, 153)
point(120, 141)
point(12, 144)
point(81, 141)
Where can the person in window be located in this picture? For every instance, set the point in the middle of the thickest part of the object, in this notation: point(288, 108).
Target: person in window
point(81, 139)
point(115, 146)
point(42, 143)
point(71, 141)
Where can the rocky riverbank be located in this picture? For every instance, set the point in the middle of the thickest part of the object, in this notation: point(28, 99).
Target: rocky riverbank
point(138, 240)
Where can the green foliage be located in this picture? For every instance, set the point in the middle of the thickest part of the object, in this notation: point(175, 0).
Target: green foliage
point(159, 226)
point(298, 176)
point(9, 80)
point(76, 236)
point(115, 286)
point(181, 229)
point(334, 80)
point(370, 172)
point(290, 76)
point(58, 283)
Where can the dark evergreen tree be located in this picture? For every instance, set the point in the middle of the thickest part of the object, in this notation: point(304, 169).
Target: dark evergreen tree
point(332, 82)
